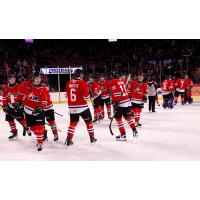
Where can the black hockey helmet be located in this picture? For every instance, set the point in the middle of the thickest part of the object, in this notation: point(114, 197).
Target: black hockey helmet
point(12, 75)
point(114, 74)
point(78, 73)
point(36, 74)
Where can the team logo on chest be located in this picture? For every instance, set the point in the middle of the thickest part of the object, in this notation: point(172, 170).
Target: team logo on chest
point(33, 97)
point(138, 90)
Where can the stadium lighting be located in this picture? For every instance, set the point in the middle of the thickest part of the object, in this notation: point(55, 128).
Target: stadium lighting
point(29, 41)
point(112, 40)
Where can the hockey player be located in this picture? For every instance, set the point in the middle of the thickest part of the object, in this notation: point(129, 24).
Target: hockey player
point(34, 97)
point(121, 105)
point(77, 95)
point(188, 90)
point(11, 106)
point(139, 97)
point(105, 96)
point(95, 91)
point(167, 87)
point(50, 116)
point(180, 85)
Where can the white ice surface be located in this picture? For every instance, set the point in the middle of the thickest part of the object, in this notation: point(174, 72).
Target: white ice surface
point(165, 135)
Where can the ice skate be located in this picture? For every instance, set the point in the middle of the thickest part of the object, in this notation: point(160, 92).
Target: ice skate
point(39, 147)
point(68, 142)
point(13, 136)
point(55, 137)
point(121, 137)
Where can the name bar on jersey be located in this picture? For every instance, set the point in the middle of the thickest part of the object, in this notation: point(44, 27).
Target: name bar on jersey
point(66, 70)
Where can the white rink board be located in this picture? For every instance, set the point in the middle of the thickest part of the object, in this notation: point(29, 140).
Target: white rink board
point(165, 135)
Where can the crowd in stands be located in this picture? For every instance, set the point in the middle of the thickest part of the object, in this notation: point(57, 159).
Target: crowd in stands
point(153, 57)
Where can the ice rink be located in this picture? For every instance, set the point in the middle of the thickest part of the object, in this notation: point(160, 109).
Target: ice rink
point(165, 135)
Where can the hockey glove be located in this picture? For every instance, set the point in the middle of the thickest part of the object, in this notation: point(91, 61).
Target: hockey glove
point(18, 107)
point(38, 110)
point(144, 99)
point(6, 109)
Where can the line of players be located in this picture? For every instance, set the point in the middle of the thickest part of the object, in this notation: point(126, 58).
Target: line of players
point(30, 103)
point(127, 97)
point(172, 89)
point(103, 94)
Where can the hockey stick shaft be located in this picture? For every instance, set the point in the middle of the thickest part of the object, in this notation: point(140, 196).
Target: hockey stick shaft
point(50, 126)
point(58, 114)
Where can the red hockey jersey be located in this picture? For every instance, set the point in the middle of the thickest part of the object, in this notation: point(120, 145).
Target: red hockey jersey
point(104, 89)
point(95, 89)
point(167, 86)
point(180, 85)
point(119, 93)
point(10, 94)
point(49, 101)
point(32, 96)
point(77, 95)
point(138, 91)
point(188, 84)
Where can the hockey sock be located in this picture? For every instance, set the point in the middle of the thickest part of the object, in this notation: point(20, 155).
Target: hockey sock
point(38, 130)
point(176, 100)
point(53, 127)
point(182, 100)
point(102, 110)
point(71, 129)
point(12, 126)
point(95, 112)
point(23, 122)
point(90, 128)
point(108, 110)
point(130, 122)
point(99, 113)
point(137, 112)
point(120, 125)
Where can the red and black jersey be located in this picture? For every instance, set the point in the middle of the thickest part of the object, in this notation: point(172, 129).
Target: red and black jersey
point(95, 89)
point(188, 83)
point(138, 91)
point(119, 93)
point(167, 86)
point(77, 95)
point(104, 89)
point(10, 94)
point(32, 96)
point(49, 101)
point(180, 85)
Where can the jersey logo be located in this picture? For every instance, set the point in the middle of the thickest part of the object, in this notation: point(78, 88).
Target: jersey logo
point(28, 88)
point(103, 88)
point(138, 90)
point(113, 87)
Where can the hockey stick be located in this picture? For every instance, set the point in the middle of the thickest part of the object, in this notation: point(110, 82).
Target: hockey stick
point(24, 127)
point(110, 125)
point(58, 114)
point(50, 126)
